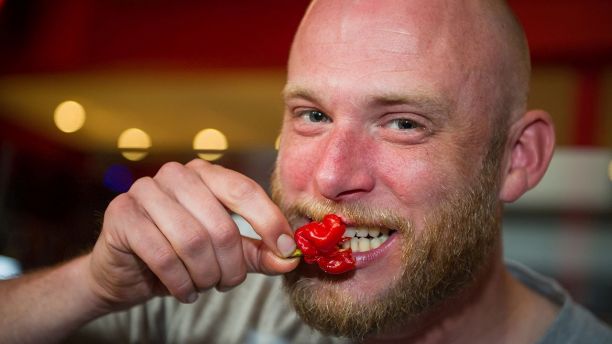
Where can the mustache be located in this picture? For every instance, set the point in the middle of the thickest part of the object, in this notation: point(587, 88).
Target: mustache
point(357, 213)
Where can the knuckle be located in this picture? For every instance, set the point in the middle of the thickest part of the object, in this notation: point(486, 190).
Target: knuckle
point(119, 211)
point(120, 204)
point(164, 259)
point(243, 189)
point(141, 185)
point(170, 170)
point(197, 163)
point(226, 236)
point(193, 244)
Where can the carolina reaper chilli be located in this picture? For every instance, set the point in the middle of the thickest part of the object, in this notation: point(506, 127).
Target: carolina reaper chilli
point(320, 243)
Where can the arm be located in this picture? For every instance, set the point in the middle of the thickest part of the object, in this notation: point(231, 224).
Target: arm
point(170, 234)
point(47, 304)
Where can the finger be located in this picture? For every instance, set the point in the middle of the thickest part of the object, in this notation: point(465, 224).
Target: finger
point(188, 239)
point(259, 258)
point(146, 241)
point(245, 197)
point(189, 190)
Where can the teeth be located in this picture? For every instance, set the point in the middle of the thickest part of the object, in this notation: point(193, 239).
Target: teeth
point(364, 244)
point(365, 239)
point(362, 232)
point(350, 232)
point(374, 243)
point(373, 232)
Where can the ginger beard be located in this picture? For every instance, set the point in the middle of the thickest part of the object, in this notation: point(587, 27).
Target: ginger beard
point(454, 246)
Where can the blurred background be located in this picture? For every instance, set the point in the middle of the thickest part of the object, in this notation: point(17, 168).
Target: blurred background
point(96, 93)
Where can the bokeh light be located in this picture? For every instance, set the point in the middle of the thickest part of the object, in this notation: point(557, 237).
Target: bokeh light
point(118, 178)
point(277, 143)
point(69, 116)
point(210, 144)
point(134, 144)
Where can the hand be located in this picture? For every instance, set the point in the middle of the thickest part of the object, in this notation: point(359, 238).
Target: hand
point(172, 234)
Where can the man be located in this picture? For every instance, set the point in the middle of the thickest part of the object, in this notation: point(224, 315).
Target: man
point(402, 117)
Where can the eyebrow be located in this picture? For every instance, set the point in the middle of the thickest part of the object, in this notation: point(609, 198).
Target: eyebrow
point(423, 101)
point(298, 92)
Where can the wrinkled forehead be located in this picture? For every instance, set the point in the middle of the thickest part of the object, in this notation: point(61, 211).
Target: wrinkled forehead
point(383, 36)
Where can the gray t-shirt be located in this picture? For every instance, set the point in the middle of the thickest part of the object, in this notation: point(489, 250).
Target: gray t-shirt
point(258, 311)
point(574, 324)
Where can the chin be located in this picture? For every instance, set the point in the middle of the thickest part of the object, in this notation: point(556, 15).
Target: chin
point(365, 284)
point(354, 304)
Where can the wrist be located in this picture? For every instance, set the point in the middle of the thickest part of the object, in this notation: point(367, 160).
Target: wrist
point(86, 290)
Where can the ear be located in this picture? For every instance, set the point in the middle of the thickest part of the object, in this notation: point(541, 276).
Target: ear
point(531, 143)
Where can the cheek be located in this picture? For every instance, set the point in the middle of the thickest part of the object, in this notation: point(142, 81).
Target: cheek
point(296, 163)
point(408, 180)
point(417, 179)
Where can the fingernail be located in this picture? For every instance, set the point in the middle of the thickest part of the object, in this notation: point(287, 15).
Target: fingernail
point(192, 297)
point(285, 245)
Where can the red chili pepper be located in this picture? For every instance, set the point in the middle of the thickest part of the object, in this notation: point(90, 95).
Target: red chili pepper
point(320, 243)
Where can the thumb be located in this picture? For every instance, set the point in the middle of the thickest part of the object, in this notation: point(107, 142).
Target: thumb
point(259, 258)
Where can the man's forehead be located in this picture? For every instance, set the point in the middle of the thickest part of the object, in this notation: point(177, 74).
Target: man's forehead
point(372, 25)
point(457, 49)
point(399, 42)
point(426, 37)
point(332, 27)
point(396, 27)
point(373, 48)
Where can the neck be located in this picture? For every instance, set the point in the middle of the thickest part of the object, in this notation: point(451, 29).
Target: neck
point(495, 308)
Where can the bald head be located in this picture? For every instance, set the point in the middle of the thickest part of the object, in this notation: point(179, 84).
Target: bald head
point(506, 53)
point(475, 50)
point(403, 106)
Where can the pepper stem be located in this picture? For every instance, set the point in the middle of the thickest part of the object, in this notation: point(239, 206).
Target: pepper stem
point(296, 253)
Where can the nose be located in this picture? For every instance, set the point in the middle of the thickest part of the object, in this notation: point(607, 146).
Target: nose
point(344, 171)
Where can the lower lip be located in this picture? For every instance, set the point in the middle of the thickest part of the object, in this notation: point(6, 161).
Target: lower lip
point(363, 259)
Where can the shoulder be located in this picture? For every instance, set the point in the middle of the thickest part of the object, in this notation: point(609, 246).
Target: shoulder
point(574, 323)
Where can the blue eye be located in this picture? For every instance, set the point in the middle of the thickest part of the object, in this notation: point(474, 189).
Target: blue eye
point(404, 124)
point(316, 116)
